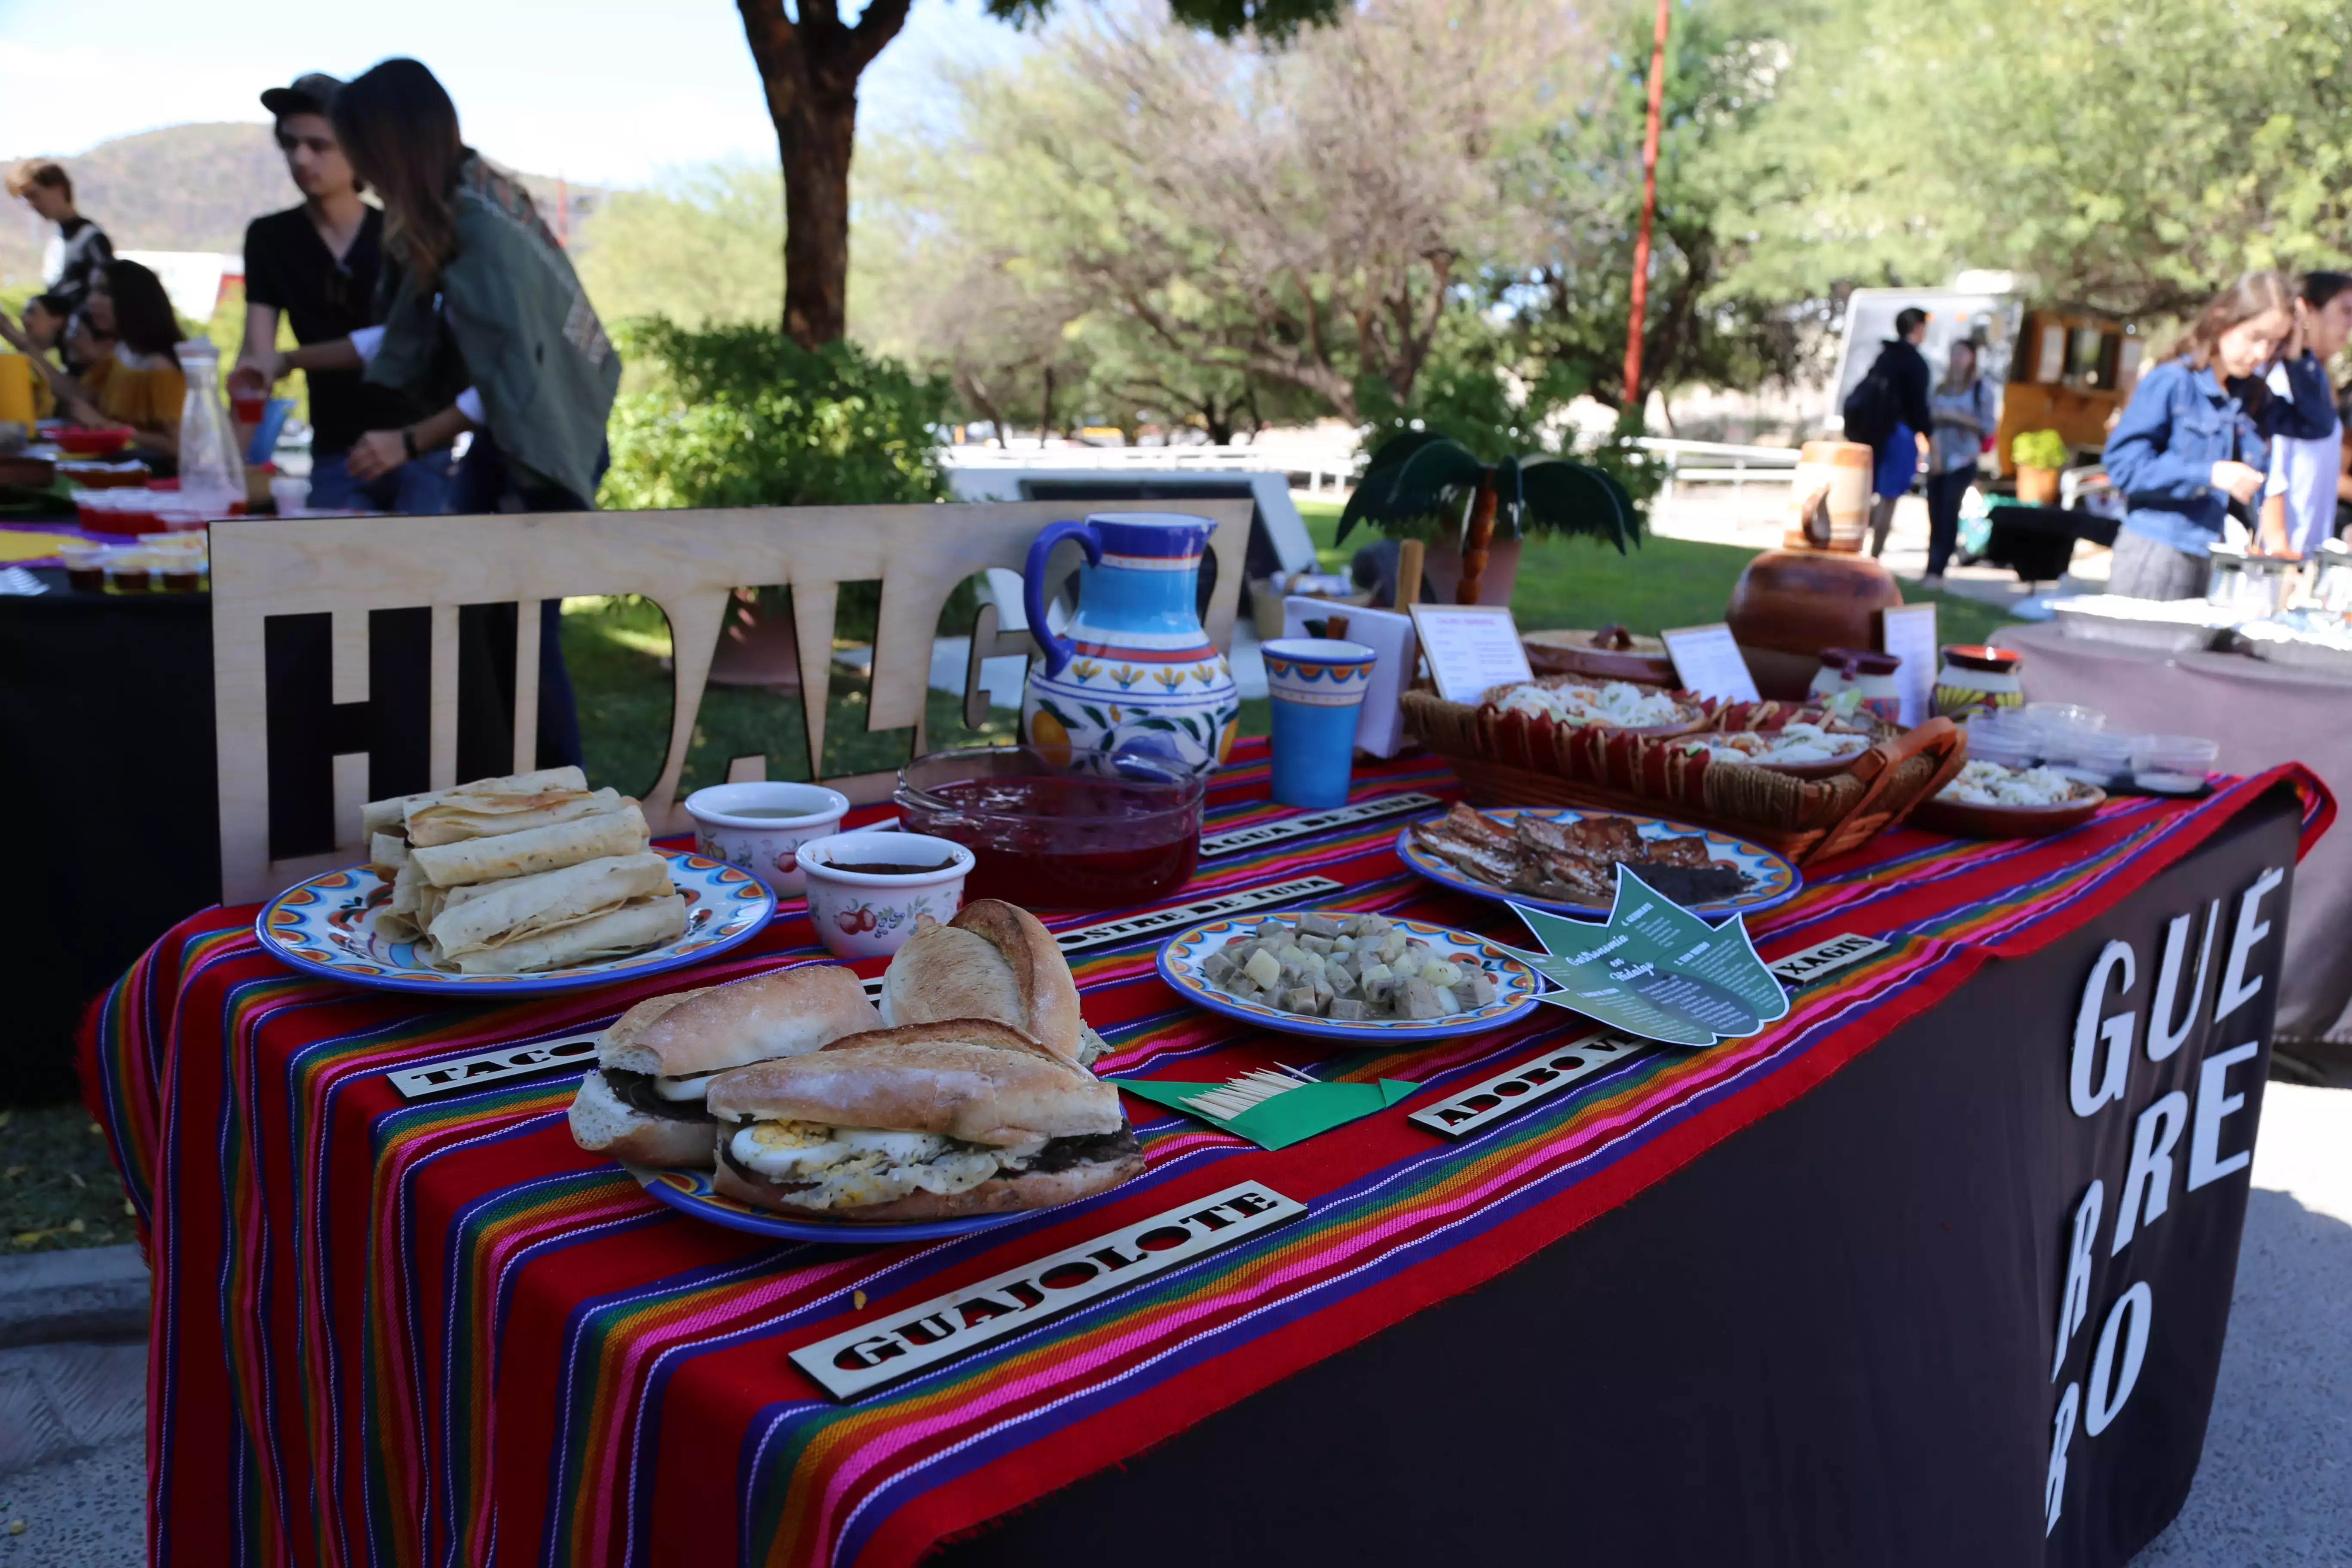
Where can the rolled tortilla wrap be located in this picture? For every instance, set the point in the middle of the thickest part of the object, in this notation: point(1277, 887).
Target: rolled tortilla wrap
point(387, 815)
point(456, 817)
point(632, 928)
point(493, 914)
point(548, 849)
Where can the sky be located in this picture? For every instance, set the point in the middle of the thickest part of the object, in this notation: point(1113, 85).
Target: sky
point(602, 92)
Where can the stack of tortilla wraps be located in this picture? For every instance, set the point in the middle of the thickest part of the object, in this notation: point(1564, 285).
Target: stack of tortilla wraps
point(510, 875)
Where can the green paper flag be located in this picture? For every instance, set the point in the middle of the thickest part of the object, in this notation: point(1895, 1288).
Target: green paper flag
point(1655, 970)
point(1269, 1110)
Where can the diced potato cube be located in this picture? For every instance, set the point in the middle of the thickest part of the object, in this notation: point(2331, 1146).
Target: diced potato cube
point(1372, 925)
point(1374, 974)
point(1273, 928)
point(1448, 1003)
point(1345, 943)
point(1264, 969)
point(1341, 983)
point(1220, 966)
point(1301, 999)
point(1441, 973)
point(1316, 943)
point(1348, 1009)
point(1242, 986)
point(1319, 925)
point(1407, 963)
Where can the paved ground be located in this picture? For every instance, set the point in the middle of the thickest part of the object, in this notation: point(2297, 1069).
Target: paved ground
point(2274, 1490)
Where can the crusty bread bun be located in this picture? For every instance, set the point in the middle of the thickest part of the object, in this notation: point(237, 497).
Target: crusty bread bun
point(993, 959)
point(778, 1014)
point(601, 1122)
point(998, 1194)
point(971, 1078)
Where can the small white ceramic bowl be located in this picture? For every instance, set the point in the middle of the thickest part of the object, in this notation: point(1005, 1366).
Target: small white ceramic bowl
point(866, 914)
point(767, 844)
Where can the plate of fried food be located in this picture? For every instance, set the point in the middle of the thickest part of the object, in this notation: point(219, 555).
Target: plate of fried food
point(513, 886)
point(1339, 975)
point(1565, 860)
point(787, 1105)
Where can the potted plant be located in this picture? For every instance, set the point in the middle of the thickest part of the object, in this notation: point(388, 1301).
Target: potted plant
point(2039, 454)
point(1423, 484)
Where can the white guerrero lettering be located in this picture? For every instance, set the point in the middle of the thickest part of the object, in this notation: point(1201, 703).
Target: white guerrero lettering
point(490, 1066)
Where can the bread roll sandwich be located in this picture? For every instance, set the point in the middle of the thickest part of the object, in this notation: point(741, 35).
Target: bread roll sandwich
point(920, 1122)
point(996, 961)
point(644, 1099)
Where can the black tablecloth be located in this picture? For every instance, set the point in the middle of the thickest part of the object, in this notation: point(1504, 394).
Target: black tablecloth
point(2037, 541)
point(108, 787)
point(1829, 1342)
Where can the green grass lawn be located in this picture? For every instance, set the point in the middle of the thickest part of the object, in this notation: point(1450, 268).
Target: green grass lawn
point(1662, 583)
point(57, 1185)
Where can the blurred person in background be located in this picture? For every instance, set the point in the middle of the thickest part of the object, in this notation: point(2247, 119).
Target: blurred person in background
point(317, 266)
point(2187, 444)
point(2306, 473)
point(485, 322)
point(78, 248)
point(1887, 411)
point(1966, 411)
point(46, 324)
point(135, 375)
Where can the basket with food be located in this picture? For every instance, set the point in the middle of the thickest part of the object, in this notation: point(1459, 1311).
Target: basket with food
point(1804, 779)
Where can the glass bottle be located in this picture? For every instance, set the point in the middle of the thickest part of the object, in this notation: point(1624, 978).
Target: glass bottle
point(211, 477)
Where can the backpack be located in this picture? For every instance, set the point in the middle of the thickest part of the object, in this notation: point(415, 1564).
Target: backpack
point(1870, 408)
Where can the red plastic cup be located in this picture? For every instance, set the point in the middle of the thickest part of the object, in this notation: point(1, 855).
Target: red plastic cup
point(247, 407)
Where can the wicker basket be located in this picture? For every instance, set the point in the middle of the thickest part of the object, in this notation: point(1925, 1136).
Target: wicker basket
point(1511, 759)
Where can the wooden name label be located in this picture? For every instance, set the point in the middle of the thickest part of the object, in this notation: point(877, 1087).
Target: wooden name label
point(895, 1344)
point(1107, 934)
point(1535, 1079)
point(1820, 962)
point(492, 1066)
point(1300, 826)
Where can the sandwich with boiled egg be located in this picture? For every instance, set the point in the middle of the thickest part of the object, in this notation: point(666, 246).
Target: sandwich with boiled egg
point(920, 1121)
point(644, 1100)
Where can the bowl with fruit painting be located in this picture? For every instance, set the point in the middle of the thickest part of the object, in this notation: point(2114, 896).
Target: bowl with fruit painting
point(866, 889)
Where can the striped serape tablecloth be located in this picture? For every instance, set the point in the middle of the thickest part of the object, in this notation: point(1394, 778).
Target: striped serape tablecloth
point(438, 1332)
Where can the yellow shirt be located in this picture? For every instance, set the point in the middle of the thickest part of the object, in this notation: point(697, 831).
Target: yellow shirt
point(146, 391)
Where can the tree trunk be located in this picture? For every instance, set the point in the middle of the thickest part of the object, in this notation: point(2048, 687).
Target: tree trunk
point(809, 70)
point(1046, 410)
point(1475, 542)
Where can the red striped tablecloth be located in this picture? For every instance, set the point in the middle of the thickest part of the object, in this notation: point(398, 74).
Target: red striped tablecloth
point(438, 1332)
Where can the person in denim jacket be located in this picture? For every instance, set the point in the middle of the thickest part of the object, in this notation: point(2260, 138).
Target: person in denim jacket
point(2197, 434)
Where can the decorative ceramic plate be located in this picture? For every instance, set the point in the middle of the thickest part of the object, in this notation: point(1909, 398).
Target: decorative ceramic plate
point(690, 1192)
point(327, 925)
point(1772, 880)
point(1968, 819)
point(1182, 957)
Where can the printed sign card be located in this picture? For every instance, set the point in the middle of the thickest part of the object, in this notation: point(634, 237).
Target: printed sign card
point(1470, 648)
point(1908, 632)
point(1655, 970)
point(1708, 662)
point(1271, 1110)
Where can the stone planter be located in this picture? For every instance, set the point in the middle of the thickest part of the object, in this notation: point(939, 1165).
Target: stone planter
point(756, 648)
point(1441, 568)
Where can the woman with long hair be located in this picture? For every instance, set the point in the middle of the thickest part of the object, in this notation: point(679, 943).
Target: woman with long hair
point(138, 382)
point(484, 320)
point(1965, 413)
point(2307, 472)
point(2195, 435)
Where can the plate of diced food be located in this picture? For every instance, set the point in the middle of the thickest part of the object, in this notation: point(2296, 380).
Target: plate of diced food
point(1564, 860)
point(1336, 974)
point(1992, 800)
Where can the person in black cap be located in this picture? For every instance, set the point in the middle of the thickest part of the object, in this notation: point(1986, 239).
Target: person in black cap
point(317, 265)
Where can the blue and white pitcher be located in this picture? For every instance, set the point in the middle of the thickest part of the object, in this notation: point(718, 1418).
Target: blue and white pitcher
point(1136, 672)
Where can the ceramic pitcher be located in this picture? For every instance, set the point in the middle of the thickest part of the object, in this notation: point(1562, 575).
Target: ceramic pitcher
point(1136, 672)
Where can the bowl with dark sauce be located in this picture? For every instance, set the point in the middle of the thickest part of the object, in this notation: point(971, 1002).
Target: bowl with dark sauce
point(866, 889)
point(1045, 836)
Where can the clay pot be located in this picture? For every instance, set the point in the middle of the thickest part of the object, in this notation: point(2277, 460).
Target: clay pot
point(1791, 604)
point(1440, 569)
point(1829, 497)
point(756, 648)
point(1612, 653)
point(2037, 487)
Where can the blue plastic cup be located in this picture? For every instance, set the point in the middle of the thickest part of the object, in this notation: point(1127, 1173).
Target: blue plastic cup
point(1317, 685)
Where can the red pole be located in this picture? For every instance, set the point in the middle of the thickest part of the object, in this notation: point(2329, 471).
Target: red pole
point(1641, 298)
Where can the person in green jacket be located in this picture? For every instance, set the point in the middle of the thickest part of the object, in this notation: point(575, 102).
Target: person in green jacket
point(485, 322)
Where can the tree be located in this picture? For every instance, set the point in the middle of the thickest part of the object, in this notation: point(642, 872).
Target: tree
point(2130, 154)
point(699, 248)
point(809, 61)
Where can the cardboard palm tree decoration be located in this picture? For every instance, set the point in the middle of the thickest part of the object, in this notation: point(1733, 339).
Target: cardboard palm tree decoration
point(1418, 474)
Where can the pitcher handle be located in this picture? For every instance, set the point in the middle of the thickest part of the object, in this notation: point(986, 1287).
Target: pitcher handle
point(1056, 649)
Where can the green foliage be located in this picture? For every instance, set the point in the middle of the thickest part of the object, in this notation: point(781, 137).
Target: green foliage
point(2038, 449)
point(1273, 19)
point(702, 246)
point(1420, 482)
point(740, 415)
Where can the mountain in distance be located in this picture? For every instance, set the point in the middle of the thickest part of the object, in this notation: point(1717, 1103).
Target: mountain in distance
point(195, 187)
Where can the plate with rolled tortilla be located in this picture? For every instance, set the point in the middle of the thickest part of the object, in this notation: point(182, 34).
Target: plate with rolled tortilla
point(512, 885)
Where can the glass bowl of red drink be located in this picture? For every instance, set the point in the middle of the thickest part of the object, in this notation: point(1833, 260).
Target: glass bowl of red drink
point(1050, 836)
